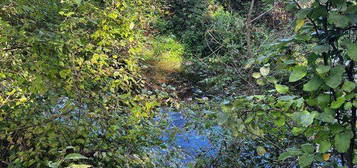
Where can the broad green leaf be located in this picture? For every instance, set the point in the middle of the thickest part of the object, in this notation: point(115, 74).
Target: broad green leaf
point(265, 71)
point(322, 69)
point(299, 24)
point(74, 156)
point(291, 152)
point(279, 122)
point(304, 118)
point(348, 106)
point(256, 75)
point(298, 73)
point(340, 21)
point(342, 141)
point(281, 88)
point(327, 116)
point(338, 102)
point(284, 155)
point(324, 146)
point(323, 99)
point(298, 130)
point(306, 160)
point(352, 51)
point(2, 75)
point(260, 82)
point(335, 77)
point(302, 13)
point(307, 148)
point(313, 84)
point(54, 164)
point(348, 86)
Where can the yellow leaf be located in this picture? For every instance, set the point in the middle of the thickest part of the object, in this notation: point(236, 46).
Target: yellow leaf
point(299, 24)
point(326, 156)
point(79, 166)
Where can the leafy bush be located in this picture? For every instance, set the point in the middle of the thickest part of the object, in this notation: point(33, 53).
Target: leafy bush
point(69, 77)
point(314, 105)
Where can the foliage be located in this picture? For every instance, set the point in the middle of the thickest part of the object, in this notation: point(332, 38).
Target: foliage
point(165, 54)
point(69, 77)
point(314, 75)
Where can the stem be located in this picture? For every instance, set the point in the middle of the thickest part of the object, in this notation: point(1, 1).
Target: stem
point(350, 152)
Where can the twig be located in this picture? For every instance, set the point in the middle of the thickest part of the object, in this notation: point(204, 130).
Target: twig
point(261, 15)
point(248, 32)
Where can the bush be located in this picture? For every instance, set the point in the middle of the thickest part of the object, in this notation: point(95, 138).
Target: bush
point(69, 82)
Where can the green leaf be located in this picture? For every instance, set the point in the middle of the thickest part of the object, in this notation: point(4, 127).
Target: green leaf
point(335, 77)
point(321, 49)
point(279, 122)
point(339, 20)
point(313, 84)
point(306, 160)
point(304, 118)
point(298, 73)
point(265, 71)
point(338, 103)
point(256, 75)
point(74, 156)
point(289, 153)
point(261, 150)
point(324, 146)
point(322, 69)
point(281, 88)
point(323, 99)
point(307, 148)
point(327, 116)
point(2, 75)
point(352, 51)
point(348, 106)
point(54, 164)
point(342, 141)
point(348, 86)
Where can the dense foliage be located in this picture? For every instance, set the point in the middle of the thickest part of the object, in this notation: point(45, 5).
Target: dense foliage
point(274, 81)
point(70, 82)
point(312, 114)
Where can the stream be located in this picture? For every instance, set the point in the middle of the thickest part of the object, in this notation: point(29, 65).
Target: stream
point(182, 145)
